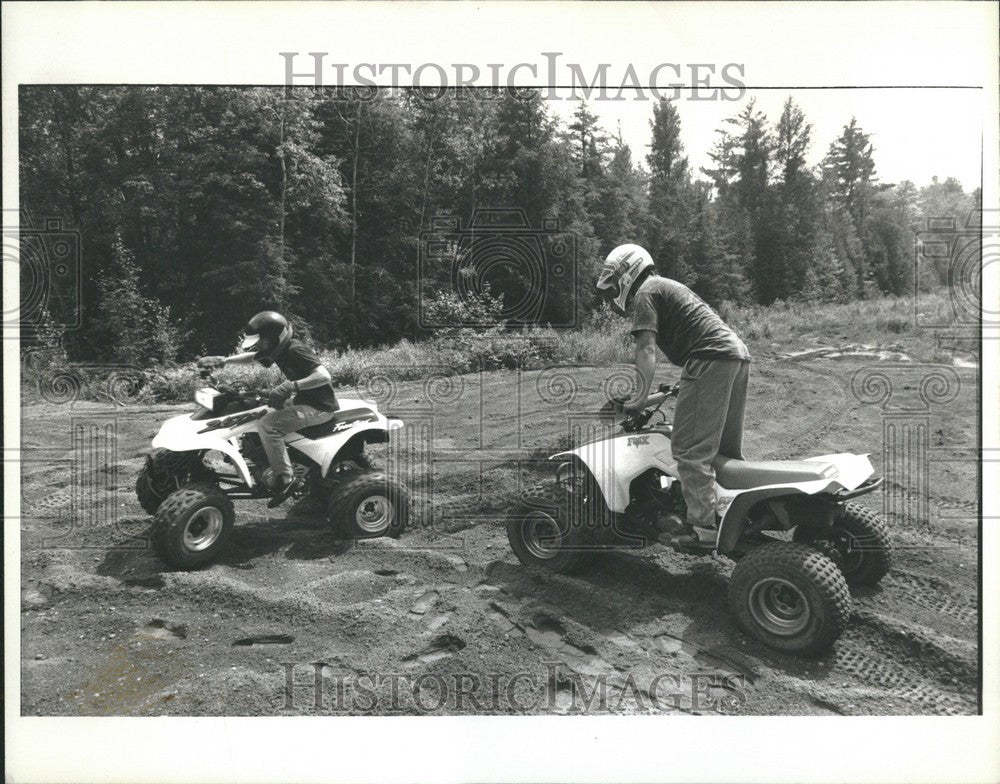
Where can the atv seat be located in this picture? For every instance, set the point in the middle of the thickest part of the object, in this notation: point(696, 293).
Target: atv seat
point(339, 418)
point(745, 475)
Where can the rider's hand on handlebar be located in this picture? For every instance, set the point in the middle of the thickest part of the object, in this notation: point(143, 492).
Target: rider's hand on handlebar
point(634, 405)
point(211, 363)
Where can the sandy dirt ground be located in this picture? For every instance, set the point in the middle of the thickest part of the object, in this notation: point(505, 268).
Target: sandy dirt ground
point(446, 620)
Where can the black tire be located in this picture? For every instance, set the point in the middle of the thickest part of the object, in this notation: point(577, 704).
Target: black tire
point(547, 528)
point(368, 504)
point(192, 526)
point(351, 465)
point(163, 472)
point(861, 537)
point(790, 597)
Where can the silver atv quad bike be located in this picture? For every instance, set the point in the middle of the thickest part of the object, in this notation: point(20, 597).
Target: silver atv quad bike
point(204, 461)
point(623, 491)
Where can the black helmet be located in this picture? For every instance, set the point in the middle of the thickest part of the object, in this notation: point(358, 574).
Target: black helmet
point(266, 334)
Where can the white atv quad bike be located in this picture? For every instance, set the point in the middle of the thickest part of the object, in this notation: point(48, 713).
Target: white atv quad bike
point(203, 461)
point(623, 491)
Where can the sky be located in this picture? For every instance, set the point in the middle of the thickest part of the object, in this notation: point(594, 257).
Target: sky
point(917, 134)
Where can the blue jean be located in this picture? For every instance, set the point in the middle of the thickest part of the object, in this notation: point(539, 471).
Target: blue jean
point(276, 424)
point(708, 421)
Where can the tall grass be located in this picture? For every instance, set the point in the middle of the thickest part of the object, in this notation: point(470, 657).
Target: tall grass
point(603, 340)
point(868, 321)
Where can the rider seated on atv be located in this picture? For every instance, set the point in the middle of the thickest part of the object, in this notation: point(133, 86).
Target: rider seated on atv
point(708, 418)
point(268, 340)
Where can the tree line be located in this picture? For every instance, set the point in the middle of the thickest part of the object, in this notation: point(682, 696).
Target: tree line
point(198, 206)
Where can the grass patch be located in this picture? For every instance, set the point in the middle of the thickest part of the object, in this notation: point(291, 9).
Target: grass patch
point(603, 341)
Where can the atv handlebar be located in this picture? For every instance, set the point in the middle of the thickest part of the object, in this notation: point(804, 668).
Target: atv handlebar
point(640, 419)
point(256, 396)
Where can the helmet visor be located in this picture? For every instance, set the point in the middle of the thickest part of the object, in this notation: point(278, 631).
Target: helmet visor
point(609, 293)
point(250, 342)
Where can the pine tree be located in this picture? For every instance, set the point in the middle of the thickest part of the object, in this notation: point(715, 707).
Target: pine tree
point(849, 170)
point(797, 211)
point(670, 197)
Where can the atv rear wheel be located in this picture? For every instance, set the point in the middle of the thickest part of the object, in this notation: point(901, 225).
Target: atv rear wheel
point(368, 504)
point(791, 597)
point(545, 529)
point(192, 525)
point(861, 539)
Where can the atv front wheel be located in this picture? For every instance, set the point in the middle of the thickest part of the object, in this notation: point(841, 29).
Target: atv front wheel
point(861, 539)
point(791, 597)
point(163, 472)
point(192, 525)
point(544, 530)
point(368, 504)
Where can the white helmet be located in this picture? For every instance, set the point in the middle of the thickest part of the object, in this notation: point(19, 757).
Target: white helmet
point(622, 268)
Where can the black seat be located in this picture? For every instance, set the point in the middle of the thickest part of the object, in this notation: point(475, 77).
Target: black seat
point(744, 475)
point(339, 418)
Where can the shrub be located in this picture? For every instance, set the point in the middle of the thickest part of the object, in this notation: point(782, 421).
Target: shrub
point(603, 341)
point(139, 328)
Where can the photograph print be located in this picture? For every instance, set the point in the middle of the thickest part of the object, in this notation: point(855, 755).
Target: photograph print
point(560, 391)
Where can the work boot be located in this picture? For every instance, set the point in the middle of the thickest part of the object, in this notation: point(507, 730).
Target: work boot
point(698, 539)
point(669, 527)
point(286, 487)
point(693, 537)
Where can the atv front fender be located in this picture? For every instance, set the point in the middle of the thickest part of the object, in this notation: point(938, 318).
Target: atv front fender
point(177, 435)
point(615, 462)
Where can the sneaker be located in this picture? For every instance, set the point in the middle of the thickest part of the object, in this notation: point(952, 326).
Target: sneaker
point(284, 491)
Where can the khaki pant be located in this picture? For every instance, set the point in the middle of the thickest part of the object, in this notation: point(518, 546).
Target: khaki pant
point(275, 424)
point(708, 421)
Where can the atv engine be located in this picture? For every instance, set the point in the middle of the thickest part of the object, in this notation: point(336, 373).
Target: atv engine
point(253, 452)
point(252, 449)
point(656, 501)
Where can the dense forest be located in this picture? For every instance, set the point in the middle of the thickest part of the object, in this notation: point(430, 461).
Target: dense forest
point(198, 206)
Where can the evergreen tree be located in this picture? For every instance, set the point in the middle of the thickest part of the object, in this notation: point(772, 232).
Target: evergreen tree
point(670, 197)
point(139, 329)
point(797, 209)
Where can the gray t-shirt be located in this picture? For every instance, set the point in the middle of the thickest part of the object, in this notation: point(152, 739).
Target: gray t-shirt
point(685, 326)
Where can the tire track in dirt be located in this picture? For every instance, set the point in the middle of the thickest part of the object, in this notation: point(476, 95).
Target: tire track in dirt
point(803, 431)
point(935, 594)
point(434, 603)
point(650, 641)
point(881, 661)
point(641, 664)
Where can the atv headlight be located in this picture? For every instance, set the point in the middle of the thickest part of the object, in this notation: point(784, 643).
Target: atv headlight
point(206, 397)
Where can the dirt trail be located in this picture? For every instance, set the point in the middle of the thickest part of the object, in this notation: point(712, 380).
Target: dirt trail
point(446, 620)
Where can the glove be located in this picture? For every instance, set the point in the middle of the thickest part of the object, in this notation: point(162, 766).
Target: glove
point(211, 363)
point(633, 407)
point(280, 394)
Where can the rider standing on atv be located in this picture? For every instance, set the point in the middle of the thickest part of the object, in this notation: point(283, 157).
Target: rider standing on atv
point(708, 419)
point(268, 339)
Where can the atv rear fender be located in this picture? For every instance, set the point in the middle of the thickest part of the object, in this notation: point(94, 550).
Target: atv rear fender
point(325, 451)
point(785, 508)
